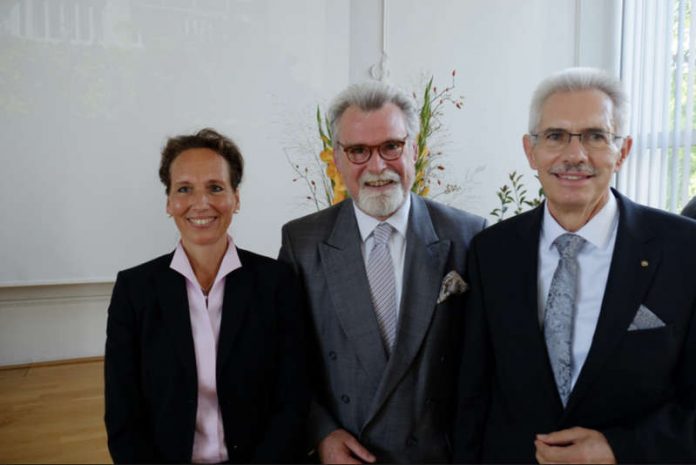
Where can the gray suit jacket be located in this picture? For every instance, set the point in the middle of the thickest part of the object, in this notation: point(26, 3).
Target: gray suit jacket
point(400, 407)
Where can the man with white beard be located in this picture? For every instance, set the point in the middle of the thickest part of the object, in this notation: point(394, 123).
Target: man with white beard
point(382, 276)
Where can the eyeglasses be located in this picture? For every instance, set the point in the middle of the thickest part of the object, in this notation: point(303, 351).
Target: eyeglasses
point(361, 153)
point(591, 139)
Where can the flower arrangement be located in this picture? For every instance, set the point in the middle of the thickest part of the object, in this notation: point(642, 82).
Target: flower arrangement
point(330, 188)
point(334, 188)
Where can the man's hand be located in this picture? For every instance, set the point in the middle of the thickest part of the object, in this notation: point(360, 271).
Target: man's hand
point(574, 445)
point(341, 447)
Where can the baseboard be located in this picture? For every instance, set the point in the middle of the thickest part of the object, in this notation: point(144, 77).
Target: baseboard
point(50, 363)
point(45, 323)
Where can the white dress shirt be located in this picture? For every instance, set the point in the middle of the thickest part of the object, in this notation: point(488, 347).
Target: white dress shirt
point(594, 260)
point(397, 241)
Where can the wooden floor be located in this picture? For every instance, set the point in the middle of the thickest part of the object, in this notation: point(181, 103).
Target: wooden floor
point(53, 414)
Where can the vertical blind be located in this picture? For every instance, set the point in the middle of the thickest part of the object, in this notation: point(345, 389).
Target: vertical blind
point(657, 68)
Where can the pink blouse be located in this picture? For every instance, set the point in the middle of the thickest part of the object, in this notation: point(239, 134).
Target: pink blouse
point(205, 313)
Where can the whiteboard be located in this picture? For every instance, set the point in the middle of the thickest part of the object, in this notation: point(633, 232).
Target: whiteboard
point(91, 89)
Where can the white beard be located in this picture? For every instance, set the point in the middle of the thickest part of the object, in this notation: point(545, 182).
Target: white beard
point(380, 204)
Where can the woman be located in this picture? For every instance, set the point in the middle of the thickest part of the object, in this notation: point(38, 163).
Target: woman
point(205, 359)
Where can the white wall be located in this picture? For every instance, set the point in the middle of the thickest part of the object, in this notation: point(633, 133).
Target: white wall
point(500, 49)
point(92, 88)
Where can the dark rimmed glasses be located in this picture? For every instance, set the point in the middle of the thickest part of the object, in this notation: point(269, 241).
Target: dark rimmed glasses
point(361, 153)
point(591, 139)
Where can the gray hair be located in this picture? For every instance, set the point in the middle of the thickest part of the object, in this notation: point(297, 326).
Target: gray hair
point(577, 79)
point(371, 96)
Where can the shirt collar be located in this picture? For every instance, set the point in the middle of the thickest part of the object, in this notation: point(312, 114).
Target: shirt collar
point(230, 262)
point(598, 231)
point(398, 220)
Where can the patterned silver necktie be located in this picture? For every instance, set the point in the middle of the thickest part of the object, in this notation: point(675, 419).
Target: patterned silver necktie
point(380, 274)
point(560, 311)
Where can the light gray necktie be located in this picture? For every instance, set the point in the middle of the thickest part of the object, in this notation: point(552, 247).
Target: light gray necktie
point(560, 311)
point(380, 274)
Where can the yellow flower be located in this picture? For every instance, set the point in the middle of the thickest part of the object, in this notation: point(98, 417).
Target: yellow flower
point(338, 196)
point(420, 175)
point(339, 189)
point(326, 156)
point(331, 171)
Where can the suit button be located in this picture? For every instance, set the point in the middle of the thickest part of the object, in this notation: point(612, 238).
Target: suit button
point(429, 401)
point(234, 446)
point(443, 359)
point(345, 399)
point(332, 355)
point(411, 441)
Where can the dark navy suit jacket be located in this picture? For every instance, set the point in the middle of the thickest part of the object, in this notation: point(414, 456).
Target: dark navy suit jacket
point(150, 367)
point(637, 387)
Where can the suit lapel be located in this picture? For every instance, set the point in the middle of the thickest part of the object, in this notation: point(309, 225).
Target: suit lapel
point(239, 288)
point(344, 269)
point(424, 267)
point(523, 255)
point(634, 262)
point(173, 302)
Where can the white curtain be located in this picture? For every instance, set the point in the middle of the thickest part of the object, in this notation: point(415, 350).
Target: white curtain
point(659, 74)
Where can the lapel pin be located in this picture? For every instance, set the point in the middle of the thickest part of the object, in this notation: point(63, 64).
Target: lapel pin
point(644, 263)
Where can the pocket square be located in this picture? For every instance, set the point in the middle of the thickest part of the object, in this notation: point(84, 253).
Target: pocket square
point(452, 283)
point(645, 319)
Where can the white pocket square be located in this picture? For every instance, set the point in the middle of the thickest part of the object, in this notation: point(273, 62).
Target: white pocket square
point(452, 283)
point(645, 319)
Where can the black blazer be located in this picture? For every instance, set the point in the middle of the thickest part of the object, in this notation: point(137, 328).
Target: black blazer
point(150, 368)
point(637, 387)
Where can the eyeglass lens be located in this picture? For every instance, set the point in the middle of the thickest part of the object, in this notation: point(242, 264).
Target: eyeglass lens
point(590, 138)
point(389, 150)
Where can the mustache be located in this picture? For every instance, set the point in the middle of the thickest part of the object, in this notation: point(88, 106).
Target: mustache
point(570, 168)
point(386, 175)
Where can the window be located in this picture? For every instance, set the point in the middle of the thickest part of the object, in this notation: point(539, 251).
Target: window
point(657, 67)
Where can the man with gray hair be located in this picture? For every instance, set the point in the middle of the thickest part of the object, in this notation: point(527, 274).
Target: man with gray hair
point(580, 333)
point(382, 275)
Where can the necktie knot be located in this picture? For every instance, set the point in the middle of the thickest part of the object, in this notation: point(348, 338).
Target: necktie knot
point(382, 233)
point(569, 245)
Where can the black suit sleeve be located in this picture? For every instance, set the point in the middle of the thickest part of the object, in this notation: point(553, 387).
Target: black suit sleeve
point(283, 438)
point(125, 412)
point(474, 371)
